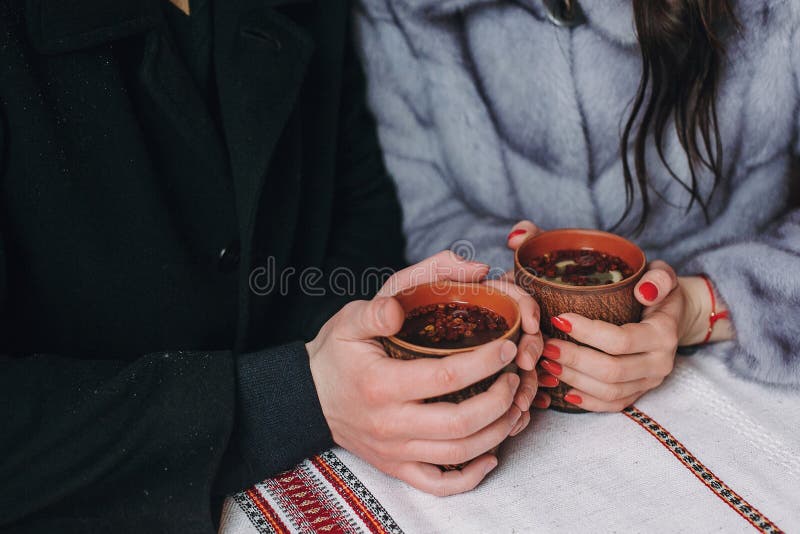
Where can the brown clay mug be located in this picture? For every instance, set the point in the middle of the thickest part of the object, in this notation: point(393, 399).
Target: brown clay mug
point(613, 303)
point(446, 292)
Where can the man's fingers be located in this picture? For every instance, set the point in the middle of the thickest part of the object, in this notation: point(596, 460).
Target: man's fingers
point(520, 232)
point(447, 420)
point(526, 392)
point(447, 452)
point(445, 265)
point(368, 319)
point(431, 479)
point(528, 308)
point(431, 377)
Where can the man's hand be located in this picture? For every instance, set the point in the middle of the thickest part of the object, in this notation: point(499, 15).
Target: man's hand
point(374, 404)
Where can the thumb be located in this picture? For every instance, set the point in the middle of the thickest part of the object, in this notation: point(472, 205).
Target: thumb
point(658, 282)
point(367, 319)
point(520, 232)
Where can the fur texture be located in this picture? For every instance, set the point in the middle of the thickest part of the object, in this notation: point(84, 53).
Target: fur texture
point(489, 114)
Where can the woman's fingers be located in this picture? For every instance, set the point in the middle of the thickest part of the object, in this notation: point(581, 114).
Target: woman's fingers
point(588, 402)
point(456, 451)
point(601, 366)
point(658, 282)
point(605, 391)
point(632, 338)
point(520, 232)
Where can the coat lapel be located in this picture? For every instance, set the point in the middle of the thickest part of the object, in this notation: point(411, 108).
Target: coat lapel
point(261, 58)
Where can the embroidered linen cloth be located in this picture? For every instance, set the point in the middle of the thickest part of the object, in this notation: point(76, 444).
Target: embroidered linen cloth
point(705, 452)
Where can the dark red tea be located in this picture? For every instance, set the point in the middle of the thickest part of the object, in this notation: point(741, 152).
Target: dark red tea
point(452, 325)
point(580, 267)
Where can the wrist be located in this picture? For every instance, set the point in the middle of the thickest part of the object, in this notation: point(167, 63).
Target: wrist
point(705, 317)
point(696, 310)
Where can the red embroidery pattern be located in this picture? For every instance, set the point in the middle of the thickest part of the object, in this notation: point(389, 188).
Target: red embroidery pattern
point(319, 495)
point(749, 512)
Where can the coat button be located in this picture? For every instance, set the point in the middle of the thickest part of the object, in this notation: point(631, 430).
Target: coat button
point(229, 256)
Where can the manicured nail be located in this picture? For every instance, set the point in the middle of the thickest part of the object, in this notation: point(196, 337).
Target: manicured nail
point(514, 234)
point(552, 367)
point(540, 401)
point(562, 324)
point(649, 291)
point(491, 465)
point(573, 399)
point(551, 351)
point(548, 381)
point(508, 351)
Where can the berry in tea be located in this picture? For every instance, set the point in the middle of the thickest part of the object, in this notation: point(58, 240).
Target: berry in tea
point(452, 325)
point(580, 267)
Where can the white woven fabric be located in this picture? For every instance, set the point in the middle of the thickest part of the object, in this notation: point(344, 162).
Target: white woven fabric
point(605, 473)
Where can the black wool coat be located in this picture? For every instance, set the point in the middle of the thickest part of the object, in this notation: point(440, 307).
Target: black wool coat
point(141, 376)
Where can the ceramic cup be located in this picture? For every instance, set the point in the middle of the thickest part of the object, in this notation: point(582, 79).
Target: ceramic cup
point(613, 303)
point(446, 292)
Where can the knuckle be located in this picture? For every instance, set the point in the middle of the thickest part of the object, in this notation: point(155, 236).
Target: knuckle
point(373, 391)
point(458, 425)
point(613, 371)
point(620, 345)
point(445, 378)
point(384, 428)
point(611, 393)
point(456, 453)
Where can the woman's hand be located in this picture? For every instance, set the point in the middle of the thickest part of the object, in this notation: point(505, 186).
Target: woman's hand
point(620, 363)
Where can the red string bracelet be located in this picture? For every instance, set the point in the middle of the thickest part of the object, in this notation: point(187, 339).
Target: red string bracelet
point(713, 316)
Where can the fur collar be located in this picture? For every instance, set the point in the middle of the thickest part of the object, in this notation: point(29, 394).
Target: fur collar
point(612, 18)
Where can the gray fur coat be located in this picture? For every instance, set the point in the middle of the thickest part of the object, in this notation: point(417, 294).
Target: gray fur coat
point(489, 114)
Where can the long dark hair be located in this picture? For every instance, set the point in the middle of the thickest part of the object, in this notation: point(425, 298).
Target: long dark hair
point(682, 53)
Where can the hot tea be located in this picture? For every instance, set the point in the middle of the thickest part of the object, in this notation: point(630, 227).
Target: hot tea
point(452, 325)
point(579, 267)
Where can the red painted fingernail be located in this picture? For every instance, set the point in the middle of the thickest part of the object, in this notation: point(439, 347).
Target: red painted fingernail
point(649, 291)
point(562, 324)
point(548, 381)
point(514, 234)
point(551, 351)
point(540, 401)
point(573, 399)
point(552, 367)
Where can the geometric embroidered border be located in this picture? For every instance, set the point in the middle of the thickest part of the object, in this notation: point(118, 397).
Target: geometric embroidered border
point(319, 495)
point(711, 481)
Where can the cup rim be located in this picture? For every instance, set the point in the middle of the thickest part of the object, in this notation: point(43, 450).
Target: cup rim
point(519, 268)
point(512, 329)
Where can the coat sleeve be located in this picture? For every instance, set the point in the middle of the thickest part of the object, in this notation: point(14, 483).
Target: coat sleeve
point(147, 440)
point(435, 215)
